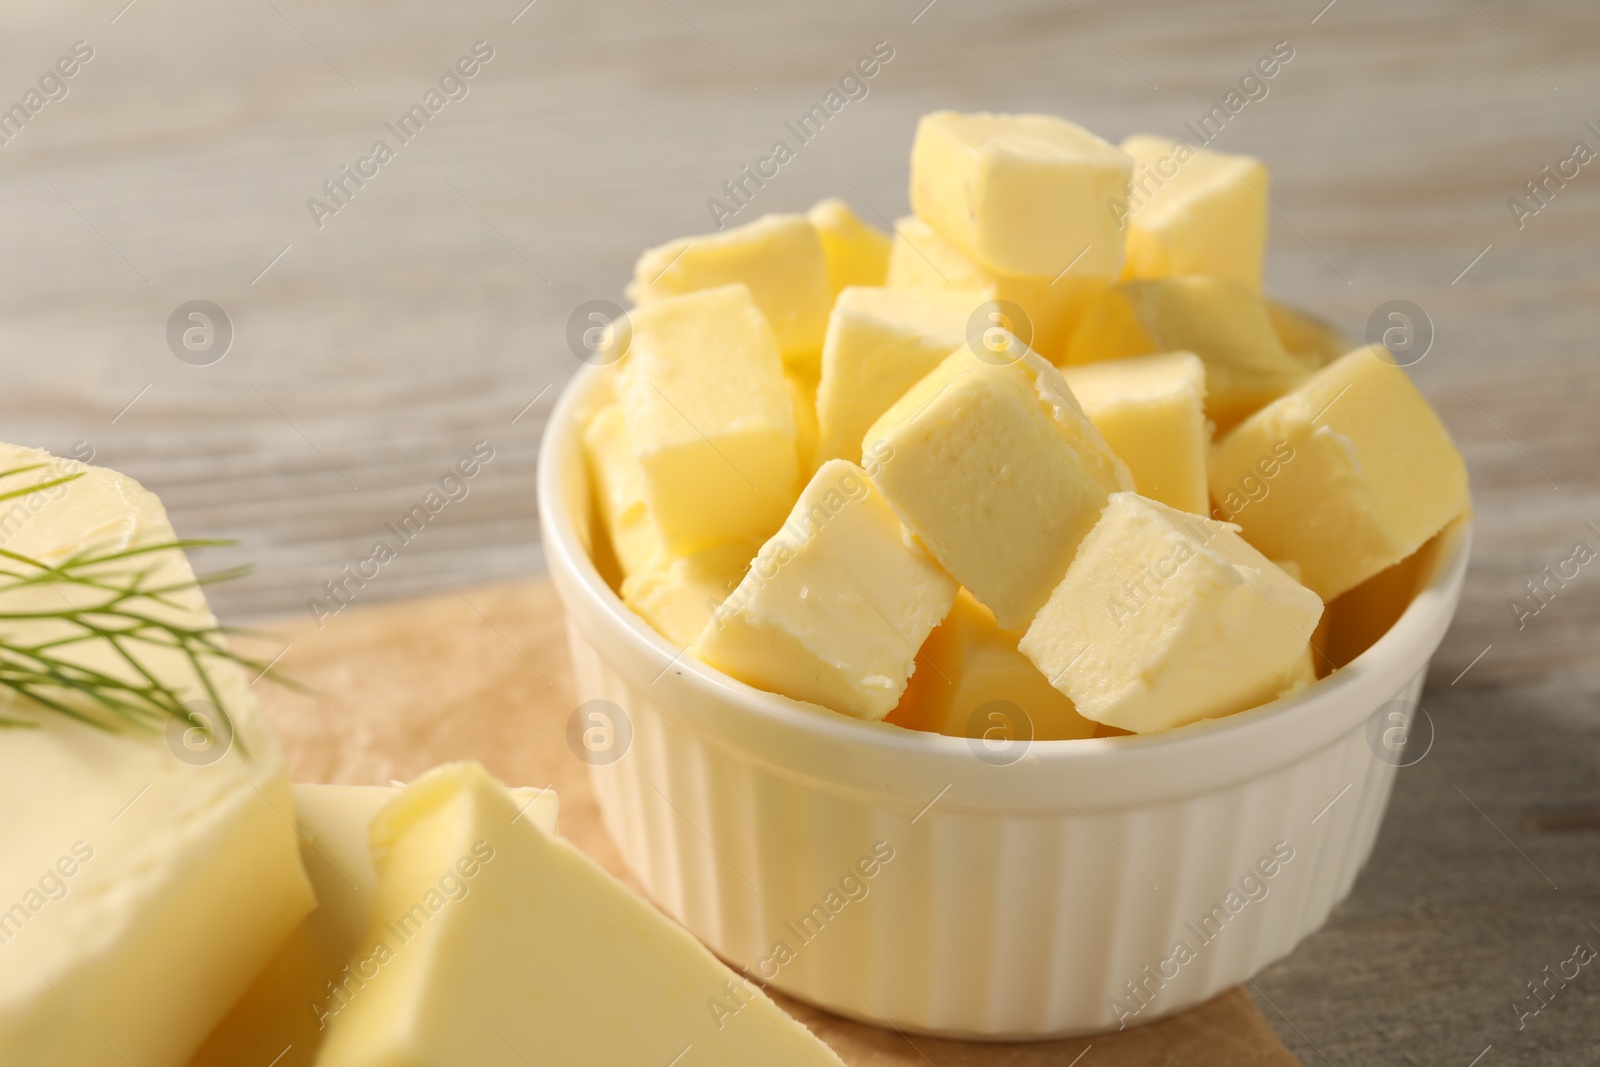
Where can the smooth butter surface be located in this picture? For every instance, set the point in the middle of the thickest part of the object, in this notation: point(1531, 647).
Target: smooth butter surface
point(856, 254)
point(1194, 211)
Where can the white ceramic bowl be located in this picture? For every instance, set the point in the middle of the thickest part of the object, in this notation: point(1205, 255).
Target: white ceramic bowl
point(1043, 898)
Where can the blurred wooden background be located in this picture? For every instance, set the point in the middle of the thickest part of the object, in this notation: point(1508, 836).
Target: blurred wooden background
point(430, 314)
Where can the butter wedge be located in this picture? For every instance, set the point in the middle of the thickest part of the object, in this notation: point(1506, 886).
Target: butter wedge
point(499, 945)
point(780, 258)
point(836, 605)
point(142, 885)
point(880, 342)
point(973, 680)
point(992, 465)
point(1223, 322)
point(1053, 305)
point(621, 491)
point(710, 418)
point(1152, 412)
point(1021, 194)
point(857, 254)
point(1363, 473)
point(1193, 211)
point(1166, 618)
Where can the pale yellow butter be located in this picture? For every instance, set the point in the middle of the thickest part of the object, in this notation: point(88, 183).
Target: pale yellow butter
point(678, 596)
point(857, 254)
point(621, 491)
point(1193, 211)
point(992, 465)
point(1166, 618)
point(836, 605)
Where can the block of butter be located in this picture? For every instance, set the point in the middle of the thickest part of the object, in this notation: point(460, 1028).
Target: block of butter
point(1053, 306)
point(1152, 411)
point(780, 258)
point(835, 607)
point(880, 342)
point(1166, 618)
point(678, 596)
point(992, 465)
point(310, 981)
point(1193, 211)
point(145, 876)
point(620, 491)
point(1362, 472)
point(1223, 322)
point(857, 254)
point(709, 417)
point(973, 680)
point(496, 943)
point(1021, 194)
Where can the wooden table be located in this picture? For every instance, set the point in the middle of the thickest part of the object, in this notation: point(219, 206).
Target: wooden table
point(430, 313)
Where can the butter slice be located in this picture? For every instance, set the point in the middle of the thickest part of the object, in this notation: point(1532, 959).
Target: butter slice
point(504, 945)
point(1223, 322)
point(1194, 211)
point(973, 680)
point(1366, 472)
point(880, 342)
point(709, 417)
point(992, 465)
point(1021, 194)
point(835, 607)
point(857, 254)
point(620, 483)
point(780, 258)
point(1167, 618)
point(1152, 411)
point(678, 596)
point(139, 893)
point(308, 982)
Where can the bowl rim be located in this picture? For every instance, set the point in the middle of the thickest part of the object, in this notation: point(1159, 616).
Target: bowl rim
point(1275, 733)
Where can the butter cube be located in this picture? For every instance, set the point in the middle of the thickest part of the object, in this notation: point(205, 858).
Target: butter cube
point(973, 680)
point(1192, 211)
point(1151, 410)
point(1166, 618)
point(495, 942)
point(620, 487)
point(1305, 670)
point(678, 596)
point(1363, 473)
point(1053, 306)
point(880, 342)
point(307, 983)
point(992, 465)
point(1223, 322)
point(780, 258)
point(1021, 194)
point(835, 607)
point(709, 417)
point(857, 254)
point(141, 887)
point(1313, 341)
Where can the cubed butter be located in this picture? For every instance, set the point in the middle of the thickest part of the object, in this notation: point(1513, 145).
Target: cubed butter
point(880, 342)
point(1166, 618)
point(803, 394)
point(780, 258)
point(1193, 211)
point(1305, 670)
point(1152, 411)
point(992, 465)
point(1365, 473)
point(308, 981)
point(1313, 341)
point(1021, 194)
point(709, 417)
point(678, 596)
point(496, 943)
point(836, 605)
point(973, 680)
point(857, 254)
point(1053, 306)
point(143, 884)
point(620, 489)
point(1223, 322)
